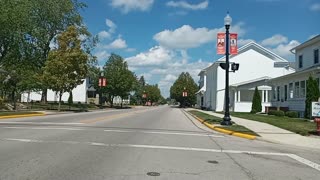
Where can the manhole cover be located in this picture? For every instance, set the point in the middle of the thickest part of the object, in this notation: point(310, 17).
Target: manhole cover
point(213, 162)
point(153, 174)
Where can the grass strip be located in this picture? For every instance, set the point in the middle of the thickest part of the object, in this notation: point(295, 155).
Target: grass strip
point(296, 125)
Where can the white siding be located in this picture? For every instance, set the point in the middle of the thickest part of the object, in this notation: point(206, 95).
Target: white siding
point(307, 53)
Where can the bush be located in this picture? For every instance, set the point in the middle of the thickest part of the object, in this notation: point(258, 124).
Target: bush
point(292, 114)
point(276, 113)
point(256, 102)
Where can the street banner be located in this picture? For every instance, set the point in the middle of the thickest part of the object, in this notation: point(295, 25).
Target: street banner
point(100, 82)
point(233, 43)
point(104, 82)
point(221, 47)
point(184, 94)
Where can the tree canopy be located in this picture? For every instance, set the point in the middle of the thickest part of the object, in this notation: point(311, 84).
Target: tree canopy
point(184, 81)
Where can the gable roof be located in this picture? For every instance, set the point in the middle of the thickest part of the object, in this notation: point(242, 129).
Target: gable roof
point(258, 48)
point(307, 43)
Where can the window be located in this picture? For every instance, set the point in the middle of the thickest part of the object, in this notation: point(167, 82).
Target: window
point(300, 61)
point(316, 56)
point(296, 89)
point(291, 90)
point(285, 92)
point(302, 89)
point(278, 93)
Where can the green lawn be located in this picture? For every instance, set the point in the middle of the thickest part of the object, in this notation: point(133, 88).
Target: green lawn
point(216, 120)
point(64, 106)
point(17, 113)
point(297, 125)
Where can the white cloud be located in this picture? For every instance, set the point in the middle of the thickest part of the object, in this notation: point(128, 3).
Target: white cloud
point(187, 37)
point(165, 65)
point(284, 49)
point(186, 5)
point(315, 7)
point(112, 26)
point(154, 57)
point(117, 44)
point(102, 55)
point(274, 40)
point(312, 36)
point(132, 5)
point(104, 35)
point(130, 49)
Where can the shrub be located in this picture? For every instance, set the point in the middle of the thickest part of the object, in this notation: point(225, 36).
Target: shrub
point(292, 114)
point(276, 113)
point(256, 102)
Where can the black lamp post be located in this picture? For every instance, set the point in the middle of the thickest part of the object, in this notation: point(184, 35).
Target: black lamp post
point(226, 119)
point(101, 85)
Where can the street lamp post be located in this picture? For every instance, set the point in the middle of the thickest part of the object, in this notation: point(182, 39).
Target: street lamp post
point(226, 119)
point(100, 85)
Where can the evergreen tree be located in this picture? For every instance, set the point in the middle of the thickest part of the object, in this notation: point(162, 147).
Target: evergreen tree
point(312, 94)
point(256, 102)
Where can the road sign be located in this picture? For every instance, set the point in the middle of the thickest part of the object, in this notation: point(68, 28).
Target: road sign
point(315, 109)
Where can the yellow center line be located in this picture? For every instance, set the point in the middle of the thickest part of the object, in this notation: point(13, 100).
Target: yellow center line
point(89, 121)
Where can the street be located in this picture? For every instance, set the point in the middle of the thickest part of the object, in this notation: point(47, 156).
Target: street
point(141, 143)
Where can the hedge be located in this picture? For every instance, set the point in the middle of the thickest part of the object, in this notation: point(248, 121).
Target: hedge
point(276, 113)
point(292, 114)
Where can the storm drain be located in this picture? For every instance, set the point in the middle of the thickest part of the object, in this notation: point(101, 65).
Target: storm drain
point(153, 174)
point(213, 162)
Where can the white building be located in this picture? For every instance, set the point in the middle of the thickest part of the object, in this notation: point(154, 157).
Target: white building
point(290, 91)
point(83, 93)
point(257, 66)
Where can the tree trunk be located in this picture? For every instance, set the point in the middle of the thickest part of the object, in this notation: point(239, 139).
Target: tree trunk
point(14, 100)
point(44, 96)
point(111, 101)
point(60, 96)
point(121, 103)
point(28, 99)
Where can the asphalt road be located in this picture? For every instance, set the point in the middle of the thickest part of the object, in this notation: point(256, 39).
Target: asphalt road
point(133, 143)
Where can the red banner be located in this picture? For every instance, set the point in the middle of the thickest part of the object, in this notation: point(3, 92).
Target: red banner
point(221, 47)
point(104, 82)
point(233, 43)
point(100, 82)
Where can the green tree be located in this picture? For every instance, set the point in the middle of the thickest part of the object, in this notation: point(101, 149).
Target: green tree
point(312, 94)
point(256, 102)
point(67, 66)
point(184, 81)
point(120, 79)
point(153, 93)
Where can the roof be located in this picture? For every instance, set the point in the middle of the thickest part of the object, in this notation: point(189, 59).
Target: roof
point(307, 43)
point(251, 81)
point(260, 49)
point(310, 69)
point(203, 70)
point(202, 90)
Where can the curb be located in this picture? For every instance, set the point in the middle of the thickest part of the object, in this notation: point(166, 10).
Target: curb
point(22, 115)
point(219, 129)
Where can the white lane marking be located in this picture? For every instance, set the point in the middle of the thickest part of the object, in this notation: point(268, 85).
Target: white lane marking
point(45, 123)
point(166, 133)
point(43, 128)
point(292, 156)
point(305, 161)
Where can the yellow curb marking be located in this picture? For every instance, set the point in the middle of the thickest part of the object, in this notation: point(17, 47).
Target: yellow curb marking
point(219, 129)
point(22, 115)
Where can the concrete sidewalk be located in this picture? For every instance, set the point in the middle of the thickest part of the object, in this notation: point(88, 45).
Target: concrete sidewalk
point(272, 133)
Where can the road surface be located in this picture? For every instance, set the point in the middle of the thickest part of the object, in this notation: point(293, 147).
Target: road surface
point(141, 143)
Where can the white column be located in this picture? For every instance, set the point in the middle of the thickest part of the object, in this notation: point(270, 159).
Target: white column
point(239, 96)
point(235, 97)
point(267, 96)
point(262, 100)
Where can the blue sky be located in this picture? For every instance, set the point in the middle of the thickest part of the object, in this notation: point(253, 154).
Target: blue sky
point(162, 38)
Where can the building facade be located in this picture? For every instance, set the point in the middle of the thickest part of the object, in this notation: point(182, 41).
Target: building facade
point(290, 91)
point(257, 66)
